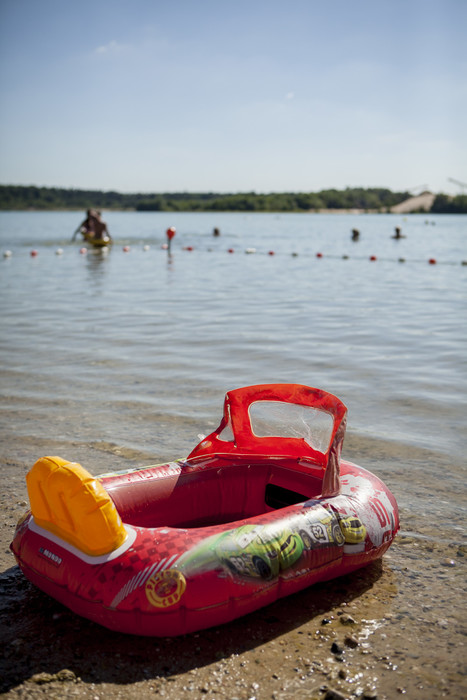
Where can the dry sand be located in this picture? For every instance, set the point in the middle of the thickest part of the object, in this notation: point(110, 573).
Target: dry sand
point(423, 201)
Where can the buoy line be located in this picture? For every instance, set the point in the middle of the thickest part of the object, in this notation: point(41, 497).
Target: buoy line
point(34, 253)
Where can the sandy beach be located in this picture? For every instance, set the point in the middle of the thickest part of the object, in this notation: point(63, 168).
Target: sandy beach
point(392, 629)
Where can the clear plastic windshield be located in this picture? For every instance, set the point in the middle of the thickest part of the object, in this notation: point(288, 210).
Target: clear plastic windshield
point(227, 434)
point(280, 419)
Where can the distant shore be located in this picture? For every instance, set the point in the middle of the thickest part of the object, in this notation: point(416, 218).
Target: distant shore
point(355, 200)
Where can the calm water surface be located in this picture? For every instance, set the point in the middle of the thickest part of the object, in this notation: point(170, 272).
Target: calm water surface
point(136, 350)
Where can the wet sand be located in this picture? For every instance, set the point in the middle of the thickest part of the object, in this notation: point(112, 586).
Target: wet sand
point(395, 628)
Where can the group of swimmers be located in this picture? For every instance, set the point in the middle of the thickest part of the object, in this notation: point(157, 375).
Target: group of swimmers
point(397, 233)
point(94, 228)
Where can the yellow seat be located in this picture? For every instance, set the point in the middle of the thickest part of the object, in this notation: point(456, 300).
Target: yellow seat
point(69, 502)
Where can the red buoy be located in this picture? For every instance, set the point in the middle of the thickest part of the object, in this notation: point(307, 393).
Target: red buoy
point(432, 261)
point(34, 253)
point(373, 258)
point(271, 252)
point(319, 255)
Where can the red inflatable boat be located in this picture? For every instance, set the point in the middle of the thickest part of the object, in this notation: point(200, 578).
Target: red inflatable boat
point(260, 509)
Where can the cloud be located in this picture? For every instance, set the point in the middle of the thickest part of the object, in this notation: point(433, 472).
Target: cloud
point(290, 96)
point(112, 47)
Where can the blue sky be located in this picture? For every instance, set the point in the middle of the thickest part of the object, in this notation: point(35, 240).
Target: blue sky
point(256, 95)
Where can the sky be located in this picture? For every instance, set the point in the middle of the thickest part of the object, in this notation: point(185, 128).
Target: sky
point(246, 96)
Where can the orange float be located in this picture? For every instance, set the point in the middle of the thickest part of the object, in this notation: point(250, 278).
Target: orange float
point(261, 508)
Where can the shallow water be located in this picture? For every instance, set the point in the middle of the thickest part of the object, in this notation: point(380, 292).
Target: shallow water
point(135, 351)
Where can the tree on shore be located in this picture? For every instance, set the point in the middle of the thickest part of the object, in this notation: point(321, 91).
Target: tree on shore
point(444, 204)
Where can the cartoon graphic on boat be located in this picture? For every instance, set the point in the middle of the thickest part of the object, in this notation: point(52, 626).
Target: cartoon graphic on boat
point(253, 551)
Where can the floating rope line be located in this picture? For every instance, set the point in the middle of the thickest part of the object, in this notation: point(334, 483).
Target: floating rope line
point(253, 251)
point(371, 258)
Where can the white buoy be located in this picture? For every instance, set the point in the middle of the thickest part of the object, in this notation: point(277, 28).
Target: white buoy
point(146, 247)
point(7, 254)
point(59, 251)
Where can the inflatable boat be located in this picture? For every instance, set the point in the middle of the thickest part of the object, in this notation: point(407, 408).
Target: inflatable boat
point(261, 508)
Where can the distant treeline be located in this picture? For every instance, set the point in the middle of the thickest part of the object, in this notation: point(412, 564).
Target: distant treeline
point(18, 197)
point(357, 198)
point(444, 204)
point(14, 197)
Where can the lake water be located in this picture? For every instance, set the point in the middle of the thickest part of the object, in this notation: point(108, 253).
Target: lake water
point(127, 355)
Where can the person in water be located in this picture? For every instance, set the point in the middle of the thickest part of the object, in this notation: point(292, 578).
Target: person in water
point(100, 227)
point(92, 226)
point(398, 233)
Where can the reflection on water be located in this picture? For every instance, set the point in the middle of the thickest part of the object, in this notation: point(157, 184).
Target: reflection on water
point(96, 260)
point(170, 260)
